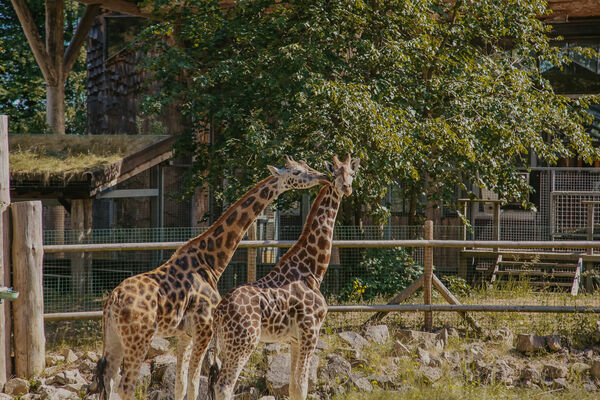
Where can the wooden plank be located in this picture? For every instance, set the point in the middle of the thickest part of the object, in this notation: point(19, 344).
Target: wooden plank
point(577, 278)
point(34, 39)
point(85, 23)
point(450, 298)
point(122, 6)
point(537, 273)
point(127, 193)
point(400, 297)
point(5, 318)
point(495, 270)
point(27, 256)
point(386, 308)
point(428, 274)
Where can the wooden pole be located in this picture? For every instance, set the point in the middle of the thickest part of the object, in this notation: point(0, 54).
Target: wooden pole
point(251, 266)
point(428, 273)
point(27, 256)
point(81, 221)
point(5, 320)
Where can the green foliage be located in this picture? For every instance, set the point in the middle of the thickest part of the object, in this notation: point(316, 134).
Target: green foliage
point(22, 85)
point(424, 92)
point(383, 272)
point(457, 285)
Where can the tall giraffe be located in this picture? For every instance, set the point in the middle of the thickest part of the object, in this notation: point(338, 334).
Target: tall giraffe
point(178, 298)
point(286, 304)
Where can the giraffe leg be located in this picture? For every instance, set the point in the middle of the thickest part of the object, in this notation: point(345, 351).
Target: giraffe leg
point(294, 358)
point(184, 351)
point(201, 342)
point(233, 358)
point(299, 378)
point(131, 364)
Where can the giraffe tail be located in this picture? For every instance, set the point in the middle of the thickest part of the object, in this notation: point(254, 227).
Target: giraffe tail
point(97, 385)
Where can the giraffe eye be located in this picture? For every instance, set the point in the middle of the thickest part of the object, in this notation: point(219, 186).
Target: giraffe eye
point(296, 172)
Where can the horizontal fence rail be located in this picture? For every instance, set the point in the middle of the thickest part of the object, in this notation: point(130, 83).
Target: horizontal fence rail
point(502, 244)
point(392, 308)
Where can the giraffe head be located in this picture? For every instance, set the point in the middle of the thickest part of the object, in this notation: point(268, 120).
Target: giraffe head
point(343, 173)
point(298, 175)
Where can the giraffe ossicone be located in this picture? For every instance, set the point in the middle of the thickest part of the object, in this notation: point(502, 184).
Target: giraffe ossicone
point(286, 305)
point(178, 298)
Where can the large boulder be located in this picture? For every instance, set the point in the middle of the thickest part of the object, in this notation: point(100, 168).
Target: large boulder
point(425, 339)
point(359, 383)
point(337, 368)
point(553, 342)
point(355, 340)
point(278, 374)
point(527, 342)
point(53, 393)
point(595, 370)
point(377, 333)
point(16, 387)
point(555, 371)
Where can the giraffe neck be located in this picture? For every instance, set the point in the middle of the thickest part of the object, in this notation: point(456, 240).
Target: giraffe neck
point(214, 248)
point(313, 248)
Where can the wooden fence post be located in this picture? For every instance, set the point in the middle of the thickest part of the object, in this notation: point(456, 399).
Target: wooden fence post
point(27, 256)
point(5, 320)
point(428, 274)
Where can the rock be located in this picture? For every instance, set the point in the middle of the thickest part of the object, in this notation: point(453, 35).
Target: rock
point(337, 367)
point(503, 335)
point(430, 374)
point(273, 348)
point(555, 371)
point(400, 349)
point(435, 361)
point(428, 340)
point(579, 368)
point(16, 386)
point(321, 345)
point(278, 374)
point(381, 381)
point(51, 371)
point(71, 377)
point(164, 370)
point(54, 359)
point(377, 333)
point(595, 371)
point(359, 383)
point(355, 340)
point(590, 387)
point(267, 398)
point(423, 356)
point(553, 342)
point(145, 375)
point(158, 347)
point(559, 383)
point(443, 337)
point(86, 366)
point(529, 342)
point(70, 356)
point(52, 393)
point(531, 374)
point(452, 331)
point(475, 350)
point(451, 357)
point(92, 356)
point(4, 396)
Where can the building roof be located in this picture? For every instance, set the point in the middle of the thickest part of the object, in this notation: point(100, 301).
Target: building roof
point(78, 167)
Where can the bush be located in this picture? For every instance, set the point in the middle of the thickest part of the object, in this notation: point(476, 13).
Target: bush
point(383, 272)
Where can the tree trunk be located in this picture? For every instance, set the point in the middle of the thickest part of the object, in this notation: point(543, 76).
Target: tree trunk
point(55, 108)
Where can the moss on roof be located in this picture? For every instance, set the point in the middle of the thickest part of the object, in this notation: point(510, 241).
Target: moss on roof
point(68, 157)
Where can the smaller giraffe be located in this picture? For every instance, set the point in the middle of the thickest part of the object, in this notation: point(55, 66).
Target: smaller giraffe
point(285, 305)
point(178, 298)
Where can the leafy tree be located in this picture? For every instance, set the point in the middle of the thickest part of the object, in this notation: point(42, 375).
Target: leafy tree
point(22, 85)
point(431, 94)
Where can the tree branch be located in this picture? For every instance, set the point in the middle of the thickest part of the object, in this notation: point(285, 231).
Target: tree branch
point(35, 40)
point(91, 11)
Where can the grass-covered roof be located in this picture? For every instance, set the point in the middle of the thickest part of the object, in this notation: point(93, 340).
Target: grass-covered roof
point(59, 160)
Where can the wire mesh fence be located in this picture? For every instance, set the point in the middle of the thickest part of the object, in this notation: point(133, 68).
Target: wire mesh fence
point(67, 289)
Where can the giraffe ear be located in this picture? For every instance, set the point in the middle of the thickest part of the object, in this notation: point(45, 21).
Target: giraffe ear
point(355, 163)
point(329, 167)
point(274, 170)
